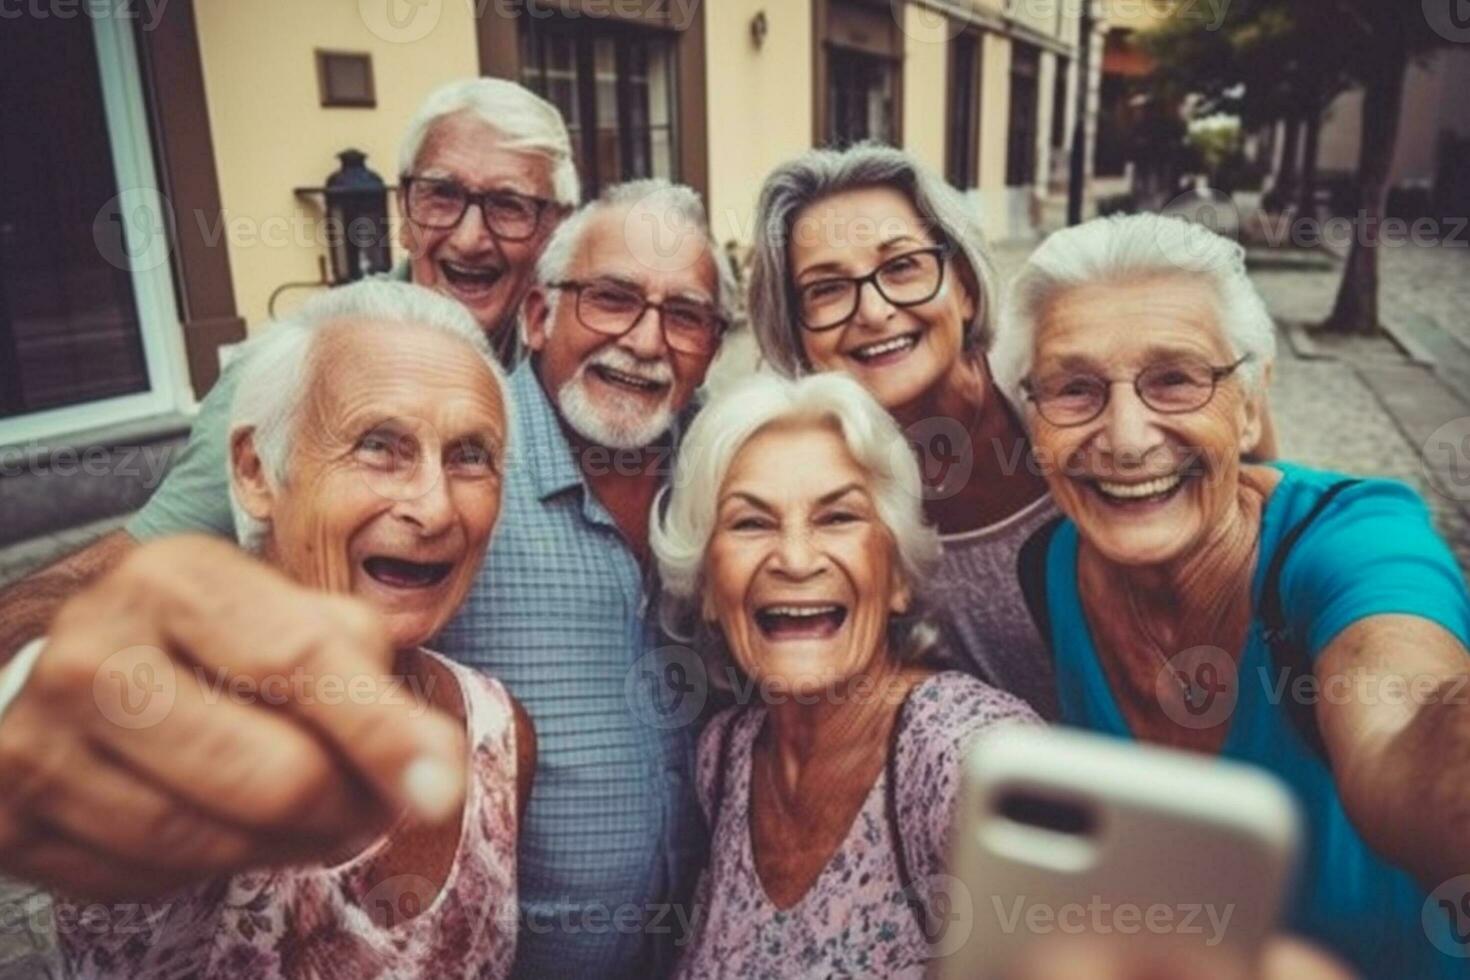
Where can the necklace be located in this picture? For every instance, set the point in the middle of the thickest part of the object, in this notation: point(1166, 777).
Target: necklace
point(1197, 694)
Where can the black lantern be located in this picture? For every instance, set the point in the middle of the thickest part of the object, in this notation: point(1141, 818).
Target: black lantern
point(357, 220)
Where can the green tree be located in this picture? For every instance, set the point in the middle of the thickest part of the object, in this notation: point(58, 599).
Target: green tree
point(1286, 60)
point(1378, 41)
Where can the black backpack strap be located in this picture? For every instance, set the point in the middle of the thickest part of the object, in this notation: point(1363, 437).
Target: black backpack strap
point(1289, 652)
point(1031, 570)
point(912, 898)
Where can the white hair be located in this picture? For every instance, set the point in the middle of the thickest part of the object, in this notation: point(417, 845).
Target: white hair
point(280, 365)
point(530, 123)
point(823, 173)
point(1129, 249)
point(656, 195)
point(683, 519)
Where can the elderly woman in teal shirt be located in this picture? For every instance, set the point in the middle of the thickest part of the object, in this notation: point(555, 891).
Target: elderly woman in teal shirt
point(1296, 619)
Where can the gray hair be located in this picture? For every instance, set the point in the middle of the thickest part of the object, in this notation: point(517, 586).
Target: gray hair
point(1127, 249)
point(278, 366)
point(684, 517)
point(657, 194)
point(819, 174)
point(531, 124)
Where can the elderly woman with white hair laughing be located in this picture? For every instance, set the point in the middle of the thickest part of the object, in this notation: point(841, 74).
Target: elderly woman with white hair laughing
point(794, 538)
point(1307, 622)
point(367, 441)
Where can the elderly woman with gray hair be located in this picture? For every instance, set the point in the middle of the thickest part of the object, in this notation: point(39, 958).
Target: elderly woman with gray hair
point(1306, 622)
point(794, 539)
point(367, 440)
point(869, 264)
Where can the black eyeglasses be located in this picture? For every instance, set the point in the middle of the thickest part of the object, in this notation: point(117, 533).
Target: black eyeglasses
point(610, 308)
point(904, 280)
point(1170, 388)
point(437, 203)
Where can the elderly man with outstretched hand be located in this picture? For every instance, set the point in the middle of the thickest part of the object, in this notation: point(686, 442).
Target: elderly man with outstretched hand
point(200, 718)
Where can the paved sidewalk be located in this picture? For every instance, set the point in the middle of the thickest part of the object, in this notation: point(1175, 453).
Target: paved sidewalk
point(1365, 407)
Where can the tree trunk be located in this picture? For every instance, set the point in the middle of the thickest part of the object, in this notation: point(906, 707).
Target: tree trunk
point(1286, 174)
point(1307, 201)
point(1356, 309)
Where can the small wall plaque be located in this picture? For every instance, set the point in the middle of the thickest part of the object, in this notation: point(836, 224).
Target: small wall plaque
point(345, 79)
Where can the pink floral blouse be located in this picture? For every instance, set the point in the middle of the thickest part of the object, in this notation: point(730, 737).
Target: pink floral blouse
point(855, 921)
point(327, 923)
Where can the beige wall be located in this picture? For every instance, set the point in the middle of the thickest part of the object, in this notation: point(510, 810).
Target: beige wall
point(760, 103)
point(271, 134)
point(925, 88)
point(1432, 104)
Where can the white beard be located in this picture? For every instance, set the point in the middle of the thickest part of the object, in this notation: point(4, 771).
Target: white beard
point(612, 421)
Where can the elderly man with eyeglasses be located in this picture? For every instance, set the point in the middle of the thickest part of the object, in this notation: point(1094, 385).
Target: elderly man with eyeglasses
point(487, 173)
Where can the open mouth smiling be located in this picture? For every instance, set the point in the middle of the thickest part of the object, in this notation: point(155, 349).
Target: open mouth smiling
point(470, 278)
point(800, 622)
point(632, 382)
point(399, 573)
point(884, 351)
point(1157, 490)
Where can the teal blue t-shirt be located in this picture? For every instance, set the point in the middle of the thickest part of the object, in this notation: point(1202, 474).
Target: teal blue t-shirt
point(1373, 551)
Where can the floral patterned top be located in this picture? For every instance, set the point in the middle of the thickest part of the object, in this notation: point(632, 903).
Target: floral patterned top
point(326, 923)
point(855, 921)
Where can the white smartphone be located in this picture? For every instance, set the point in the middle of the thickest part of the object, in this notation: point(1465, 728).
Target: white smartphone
point(1060, 833)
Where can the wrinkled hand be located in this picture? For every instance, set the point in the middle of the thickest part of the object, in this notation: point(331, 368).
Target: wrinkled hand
point(195, 713)
point(1098, 959)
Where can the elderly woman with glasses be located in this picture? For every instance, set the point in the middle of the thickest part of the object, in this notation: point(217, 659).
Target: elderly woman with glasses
point(794, 539)
point(1309, 623)
point(869, 264)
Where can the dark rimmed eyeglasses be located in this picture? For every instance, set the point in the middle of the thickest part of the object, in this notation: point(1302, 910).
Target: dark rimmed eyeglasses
point(434, 202)
point(689, 326)
point(905, 280)
point(1171, 387)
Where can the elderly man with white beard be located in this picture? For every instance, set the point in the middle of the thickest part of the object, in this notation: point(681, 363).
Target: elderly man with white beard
point(630, 304)
point(631, 301)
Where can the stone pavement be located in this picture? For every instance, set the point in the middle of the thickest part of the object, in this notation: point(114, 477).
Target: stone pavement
point(1364, 406)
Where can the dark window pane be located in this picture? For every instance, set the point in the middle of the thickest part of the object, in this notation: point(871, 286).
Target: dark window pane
point(1059, 106)
point(1021, 146)
point(69, 330)
point(859, 98)
point(616, 86)
point(964, 101)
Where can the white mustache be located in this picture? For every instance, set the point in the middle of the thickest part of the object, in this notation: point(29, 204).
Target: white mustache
point(655, 372)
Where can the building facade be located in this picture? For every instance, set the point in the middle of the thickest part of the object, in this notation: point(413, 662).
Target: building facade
point(152, 214)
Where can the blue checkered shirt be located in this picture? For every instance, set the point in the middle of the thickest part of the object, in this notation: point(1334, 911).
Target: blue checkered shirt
point(560, 614)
